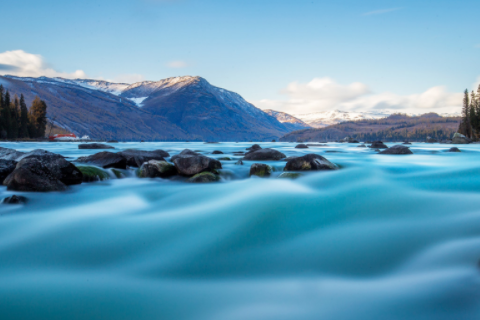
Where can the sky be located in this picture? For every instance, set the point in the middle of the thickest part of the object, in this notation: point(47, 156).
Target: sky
point(293, 56)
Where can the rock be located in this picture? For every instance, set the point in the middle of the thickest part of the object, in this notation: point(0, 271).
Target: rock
point(31, 174)
point(290, 158)
point(217, 152)
point(349, 140)
point(406, 143)
point(274, 140)
point(309, 162)
point(454, 149)
point(118, 174)
point(10, 154)
point(6, 167)
point(316, 145)
point(225, 158)
point(378, 145)
point(397, 149)
point(431, 140)
point(264, 154)
point(361, 146)
point(260, 170)
point(255, 147)
point(189, 163)
point(157, 169)
point(105, 160)
point(301, 146)
point(15, 200)
point(204, 177)
point(135, 158)
point(239, 163)
point(94, 146)
point(91, 174)
point(112, 141)
point(459, 138)
point(289, 175)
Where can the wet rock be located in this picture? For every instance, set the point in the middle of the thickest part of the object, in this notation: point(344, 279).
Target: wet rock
point(91, 174)
point(225, 158)
point(253, 148)
point(378, 145)
point(264, 154)
point(260, 170)
point(118, 174)
point(217, 152)
point(454, 149)
point(6, 167)
point(189, 163)
point(105, 160)
point(301, 146)
point(10, 154)
point(135, 158)
point(94, 146)
point(309, 162)
point(459, 138)
point(290, 158)
point(361, 146)
point(406, 143)
point(157, 169)
point(397, 149)
point(31, 174)
point(316, 145)
point(112, 141)
point(431, 140)
point(204, 177)
point(239, 163)
point(15, 200)
point(289, 175)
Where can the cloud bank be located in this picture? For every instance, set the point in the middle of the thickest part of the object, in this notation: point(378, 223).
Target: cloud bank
point(24, 64)
point(323, 94)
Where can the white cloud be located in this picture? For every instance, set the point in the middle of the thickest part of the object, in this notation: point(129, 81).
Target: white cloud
point(24, 64)
point(177, 64)
point(323, 94)
point(381, 11)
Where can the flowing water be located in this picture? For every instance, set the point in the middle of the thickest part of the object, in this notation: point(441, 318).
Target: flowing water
point(386, 237)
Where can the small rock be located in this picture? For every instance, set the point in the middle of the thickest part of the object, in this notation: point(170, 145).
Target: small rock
point(378, 145)
point(301, 146)
point(454, 149)
point(112, 141)
point(309, 162)
point(361, 146)
point(157, 169)
point(260, 170)
point(189, 163)
point(264, 154)
point(94, 146)
point(290, 175)
point(91, 174)
point(239, 163)
point(397, 149)
point(15, 200)
point(217, 152)
point(431, 140)
point(225, 158)
point(204, 177)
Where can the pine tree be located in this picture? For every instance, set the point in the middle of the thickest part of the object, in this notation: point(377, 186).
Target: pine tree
point(465, 124)
point(23, 130)
point(6, 116)
point(2, 127)
point(38, 118)
point(14, 118)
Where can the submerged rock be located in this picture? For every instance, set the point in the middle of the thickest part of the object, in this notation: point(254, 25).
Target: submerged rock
point(260, 170)
point(316, 145)
point(204, 177)
point(189, 163)
point(105, 160)
point(378, 145)
point(309, 162)
point(459, 138)
point(15, 200)
point(361, 146)
point(454, 149)
point(301, 146)
point(225, 158)
point(91, 174)
point(6, 167)
point(239, 163)
point(264, 154)
point(157, 169)
point(112, 141)
point(135, 158)
point(290, 175)
point(406, 142)
point(217, 152)
point(397, 149)
point(94, 146)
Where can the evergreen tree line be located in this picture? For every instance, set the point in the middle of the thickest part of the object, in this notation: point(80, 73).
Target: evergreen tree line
point(17, 121)
point(470, 124)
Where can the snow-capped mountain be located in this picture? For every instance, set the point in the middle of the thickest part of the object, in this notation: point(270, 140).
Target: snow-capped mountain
point(327, 118)
point(287, 119)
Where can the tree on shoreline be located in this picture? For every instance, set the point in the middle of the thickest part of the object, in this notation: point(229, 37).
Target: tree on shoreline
point(470, 124)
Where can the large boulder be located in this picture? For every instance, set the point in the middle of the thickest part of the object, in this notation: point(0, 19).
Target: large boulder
point(264, 154)
point(189, 163)
point(135, 158)
point(10, 154)
point(94, 146)
point(157, 169)
point(105, 160)
point(31, 174)
point(378, 145)
point(459, 138)
point(301, 146)
point(204, 177)
point(260, 170)
point(309, 162)
point(397, 149)
point(6, 167)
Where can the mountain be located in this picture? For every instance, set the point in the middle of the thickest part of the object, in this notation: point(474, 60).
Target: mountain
point(328, 118)
point(287, 119)
point(396, 127)
point(180, 108)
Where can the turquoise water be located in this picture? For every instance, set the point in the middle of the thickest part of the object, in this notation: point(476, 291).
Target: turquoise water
point(385, 237)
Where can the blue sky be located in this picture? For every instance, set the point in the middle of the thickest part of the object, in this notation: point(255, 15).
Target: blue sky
point(259, 48)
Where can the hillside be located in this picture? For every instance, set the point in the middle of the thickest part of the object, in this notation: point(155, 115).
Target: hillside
point(396, 127)
point(288, 120)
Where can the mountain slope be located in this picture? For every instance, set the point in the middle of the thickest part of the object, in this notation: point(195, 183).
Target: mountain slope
point(181, 108)
point(288, 120)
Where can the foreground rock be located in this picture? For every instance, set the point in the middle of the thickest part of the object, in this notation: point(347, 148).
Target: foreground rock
point(157, 169)
point(264, 154)
point(459, 138)
point(63, 169)
point(105, 160)
point(398, 149)
point(94, 146)
point(454, 149)
point(309, 162)
point(135, 158)
point(260, 170)
point(378, 145)
point(15, 200)
point(189, 163)
point(301, 146)
point(6, 167)
point(91, 174)
point(31, 174)
point(10, 154)
point(204, 177)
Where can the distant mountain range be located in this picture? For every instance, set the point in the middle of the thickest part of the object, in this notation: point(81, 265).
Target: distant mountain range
point(288, 120)
point(180, 108)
